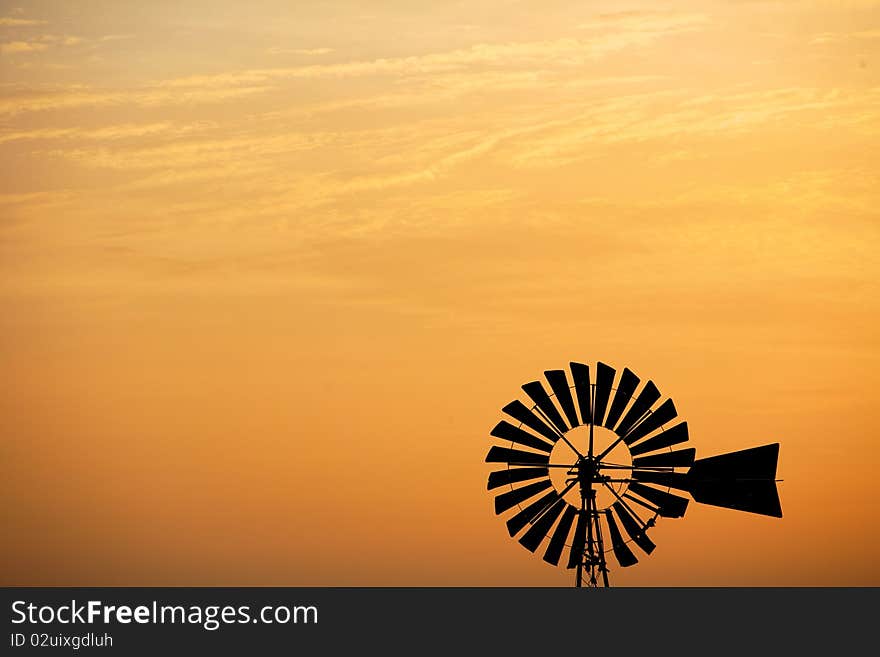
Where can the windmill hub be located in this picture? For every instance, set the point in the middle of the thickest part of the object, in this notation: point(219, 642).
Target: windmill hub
point(588, 475)
point(567, 465)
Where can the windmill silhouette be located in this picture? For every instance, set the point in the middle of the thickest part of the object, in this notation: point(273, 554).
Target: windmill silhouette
point(591, 458)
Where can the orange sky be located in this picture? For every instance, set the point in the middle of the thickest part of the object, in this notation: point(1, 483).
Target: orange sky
point(269, 270)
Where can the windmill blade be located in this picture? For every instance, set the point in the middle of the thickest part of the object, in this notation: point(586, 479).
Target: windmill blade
point(743, 480)
point(636, 530)
point(677, 480)
point(641, 405)
point(536, 533)
point(625, 389)
point(542, 400)
point(516, 496)
point(604, 383)
point(521, 519)
point(506, 455)
point(519, 411)
point(668, 505)
point(679, 459)
point(664, 413)
point(580, 374)
point(641, 502)
point(625, 556)
point(560, 534)
point(513, 475)
point(579, 543)
point(507, 431)
point(559, 384)
point(672, 436)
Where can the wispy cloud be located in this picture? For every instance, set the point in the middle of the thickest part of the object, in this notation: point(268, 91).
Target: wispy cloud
point(282, 168)
point(839, 37)
point(19, 22)
point(77, 96)
point(521, 109)
point(12, 47)
point(305, 52)
point(61, 40)
point(509, 62)
point(678, 114)
point(557, 52)
point(645, 21)
point(40, 43)
point(106, 133)
point(180, 155)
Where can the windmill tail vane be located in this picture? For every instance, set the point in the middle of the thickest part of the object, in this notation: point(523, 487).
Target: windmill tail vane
point(591, 465)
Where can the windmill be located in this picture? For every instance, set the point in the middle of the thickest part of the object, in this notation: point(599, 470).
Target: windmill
point(590, 466)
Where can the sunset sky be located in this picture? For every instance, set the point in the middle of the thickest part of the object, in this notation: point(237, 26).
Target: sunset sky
point(269, 270)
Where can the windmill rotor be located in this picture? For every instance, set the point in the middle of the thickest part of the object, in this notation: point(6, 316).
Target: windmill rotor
point(592, 461)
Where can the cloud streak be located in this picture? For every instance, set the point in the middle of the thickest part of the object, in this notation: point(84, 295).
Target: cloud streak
point(305, 52)
point(839, 37)
point(677, 115)
point(106, 133)
point(19, 22)
point(15, 47)
point(556, 52)
point(39, 44)
point(511, 58)
point(81, 96)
